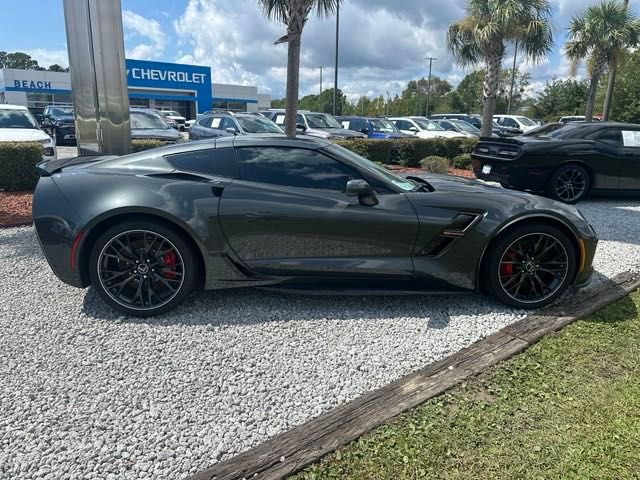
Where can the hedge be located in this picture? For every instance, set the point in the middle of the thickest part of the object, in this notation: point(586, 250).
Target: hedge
point(18, 165)
point(462, 162)
point(409, 152)
point(138, 145)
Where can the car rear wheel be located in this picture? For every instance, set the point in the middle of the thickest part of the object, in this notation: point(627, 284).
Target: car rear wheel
point(531, 266)
point(569, 184)
point(142, 268)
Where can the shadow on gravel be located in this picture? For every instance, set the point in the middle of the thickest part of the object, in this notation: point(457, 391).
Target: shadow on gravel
point(250, 307)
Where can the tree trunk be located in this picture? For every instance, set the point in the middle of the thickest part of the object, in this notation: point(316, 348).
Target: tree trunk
point(490, 89)
point(293, 83)
point(593, 91)
point(608, 101)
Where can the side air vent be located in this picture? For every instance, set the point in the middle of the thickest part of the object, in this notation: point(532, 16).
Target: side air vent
point(459, 226)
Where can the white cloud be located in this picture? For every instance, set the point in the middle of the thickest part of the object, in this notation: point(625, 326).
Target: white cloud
point(136, 28)
point(46, 57)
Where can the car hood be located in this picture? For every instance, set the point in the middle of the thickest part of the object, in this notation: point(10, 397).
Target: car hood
point(64, 118)
point(340, 132)
point(169, 134)
point(22, 135)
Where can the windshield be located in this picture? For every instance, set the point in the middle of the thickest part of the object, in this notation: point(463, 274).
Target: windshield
point(372, 167)
point(17, 119)
point(256, 124)
point(322, 120)
point(62, 111)
point(526, 122)
point(171, 113)
point(147, 121)
point(383, 125)
point(544, 130)
point(464, 126)
point(427, 125)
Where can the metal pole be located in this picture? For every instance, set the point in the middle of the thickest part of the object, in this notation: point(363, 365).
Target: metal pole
point(431, 59)
point(513, 78)
point(335, 78)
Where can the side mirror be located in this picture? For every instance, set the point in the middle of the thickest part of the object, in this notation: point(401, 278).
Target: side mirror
point(414, 129)
point(361, 189)
point(231, 130)
point(301, 126)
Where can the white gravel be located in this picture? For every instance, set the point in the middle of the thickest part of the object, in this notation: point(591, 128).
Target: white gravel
point(86, 394)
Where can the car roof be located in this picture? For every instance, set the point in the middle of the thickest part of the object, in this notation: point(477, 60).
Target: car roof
point(12, 107)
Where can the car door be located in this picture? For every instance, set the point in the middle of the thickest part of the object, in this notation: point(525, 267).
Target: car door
point(288, 215)
point(630, 163)
point(607, 159)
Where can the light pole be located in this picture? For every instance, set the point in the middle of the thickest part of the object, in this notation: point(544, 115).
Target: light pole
point(513, 78)
point(335, 78)
point(388, 100)
point(431, 59)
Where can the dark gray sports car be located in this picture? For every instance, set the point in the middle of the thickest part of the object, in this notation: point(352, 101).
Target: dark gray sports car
point(300, 215)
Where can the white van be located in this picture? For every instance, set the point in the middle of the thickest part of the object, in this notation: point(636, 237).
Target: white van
point(516, 121)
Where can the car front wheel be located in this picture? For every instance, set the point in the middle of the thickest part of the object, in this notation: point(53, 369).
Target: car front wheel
point(531, 266)
point(142, 268)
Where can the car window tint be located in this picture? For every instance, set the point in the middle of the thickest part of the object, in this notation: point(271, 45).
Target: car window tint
point(510, 122)
point(228, 123)
point(205, 122)
point(610, 136)
point(216, 122)
point(293, 167)
point(220, 162)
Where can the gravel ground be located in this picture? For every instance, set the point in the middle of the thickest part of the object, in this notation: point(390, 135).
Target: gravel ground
point(85, 393)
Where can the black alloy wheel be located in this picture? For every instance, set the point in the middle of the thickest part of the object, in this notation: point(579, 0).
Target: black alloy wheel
point(532, 266)
point(142, 268)
point(569, 184)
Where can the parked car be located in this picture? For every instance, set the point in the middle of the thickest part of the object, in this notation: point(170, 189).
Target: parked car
point(178, 120)
point(17, 124)
point(567, 163)
point(515, 121)
point(544, 129)
point(60, 122)
point(372, 127)
point(422, 127)
point(298, 215)
point(471, 119)
point(316, 124)
point(459, 126)
point(576, 118)
point(148, 124)
point(225, 124)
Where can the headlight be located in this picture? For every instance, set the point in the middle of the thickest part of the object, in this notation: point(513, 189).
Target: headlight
point(49, 151)
point(45, 142)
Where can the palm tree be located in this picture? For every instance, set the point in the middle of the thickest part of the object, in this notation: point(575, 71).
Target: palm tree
point(613, 68)
point(599, 36)
point(294, 14)
point(483, 34)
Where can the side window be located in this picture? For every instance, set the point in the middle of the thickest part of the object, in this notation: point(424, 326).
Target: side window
point(510, 122)
point(300, 120)
point(631, 138)
point(293, 167)
point(610, 136)
point(214, 161)
point(205, 122)
point(216, 122)
point(228, 123)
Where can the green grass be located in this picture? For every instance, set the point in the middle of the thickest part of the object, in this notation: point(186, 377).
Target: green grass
point(567, 408)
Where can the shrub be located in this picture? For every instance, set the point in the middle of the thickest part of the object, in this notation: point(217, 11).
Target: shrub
point(462, 162)
point(17, 165)
point(435, 164)
point(138, 145)
point(378, 151)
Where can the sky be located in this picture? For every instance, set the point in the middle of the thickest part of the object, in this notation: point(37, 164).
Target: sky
point(383, 43)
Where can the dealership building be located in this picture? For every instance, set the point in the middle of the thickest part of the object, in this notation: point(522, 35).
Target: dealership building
point(188, 89)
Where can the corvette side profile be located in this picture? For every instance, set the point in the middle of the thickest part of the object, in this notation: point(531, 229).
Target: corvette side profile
point(298, 215)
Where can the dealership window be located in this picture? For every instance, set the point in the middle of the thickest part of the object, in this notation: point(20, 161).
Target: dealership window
point(230, 106)
point(293, 167)
point(36, 101)
point(139, 102)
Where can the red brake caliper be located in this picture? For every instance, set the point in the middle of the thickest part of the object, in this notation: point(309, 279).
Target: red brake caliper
point(169, 260)
point(506, 269)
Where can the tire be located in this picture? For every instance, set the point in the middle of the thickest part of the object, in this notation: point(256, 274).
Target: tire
point(569, 184)
point(133, 260)
point(514, 275)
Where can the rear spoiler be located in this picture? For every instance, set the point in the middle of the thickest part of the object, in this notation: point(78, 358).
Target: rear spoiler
point(503, 140)
point(47, 168)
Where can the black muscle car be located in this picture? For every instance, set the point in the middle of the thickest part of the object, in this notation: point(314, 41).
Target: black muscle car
point(565, 162)
point(298, 215)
